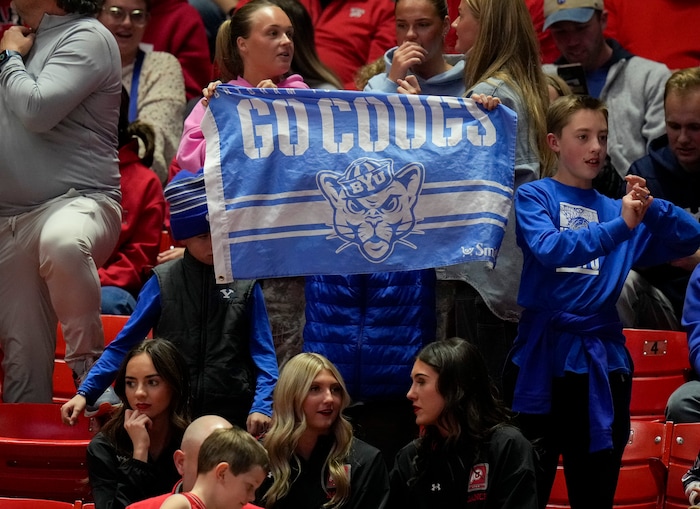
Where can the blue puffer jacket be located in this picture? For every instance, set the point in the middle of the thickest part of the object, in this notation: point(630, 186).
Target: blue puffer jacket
point(371, 326)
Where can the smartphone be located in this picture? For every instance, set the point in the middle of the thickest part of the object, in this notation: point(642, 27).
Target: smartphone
point(575, 77)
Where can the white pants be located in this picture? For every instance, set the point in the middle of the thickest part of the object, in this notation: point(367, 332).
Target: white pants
point(48, 273)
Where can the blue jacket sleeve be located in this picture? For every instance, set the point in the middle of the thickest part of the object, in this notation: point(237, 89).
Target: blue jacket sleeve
point(569, 248)
point(262, 349)
point(381, 83)
point(142, 320)
point(676, 234)
point(691, 318)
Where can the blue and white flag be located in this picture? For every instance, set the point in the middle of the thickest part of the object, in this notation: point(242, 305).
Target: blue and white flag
point(306, 182)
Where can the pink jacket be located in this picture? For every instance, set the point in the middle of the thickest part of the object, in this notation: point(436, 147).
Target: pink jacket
point(190, 154)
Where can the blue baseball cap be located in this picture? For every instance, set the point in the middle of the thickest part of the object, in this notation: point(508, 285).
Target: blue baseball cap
point(578, 11)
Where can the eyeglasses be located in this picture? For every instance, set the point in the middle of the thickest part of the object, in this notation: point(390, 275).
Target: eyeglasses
point(138, 17)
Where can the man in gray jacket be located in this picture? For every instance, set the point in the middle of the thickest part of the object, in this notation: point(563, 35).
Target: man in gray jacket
point(60, 86)
point(631, 86)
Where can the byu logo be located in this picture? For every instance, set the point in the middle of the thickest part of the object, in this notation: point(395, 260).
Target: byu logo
point(227, 293)
point(373, 208)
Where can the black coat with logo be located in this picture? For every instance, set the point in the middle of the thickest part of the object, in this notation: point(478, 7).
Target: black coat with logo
point(501, 477)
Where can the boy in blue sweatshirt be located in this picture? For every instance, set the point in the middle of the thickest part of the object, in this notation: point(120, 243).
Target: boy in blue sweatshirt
point(222, 330)
point(569, 366)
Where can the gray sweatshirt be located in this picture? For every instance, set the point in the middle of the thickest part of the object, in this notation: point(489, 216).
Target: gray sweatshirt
point(59, 110)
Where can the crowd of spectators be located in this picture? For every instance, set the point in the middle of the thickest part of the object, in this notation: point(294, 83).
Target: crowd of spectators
point(69, 251)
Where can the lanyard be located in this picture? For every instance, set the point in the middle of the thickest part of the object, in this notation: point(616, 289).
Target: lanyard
point(133, 96)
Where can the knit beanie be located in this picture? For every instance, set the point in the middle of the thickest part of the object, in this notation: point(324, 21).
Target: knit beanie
point(187, 199)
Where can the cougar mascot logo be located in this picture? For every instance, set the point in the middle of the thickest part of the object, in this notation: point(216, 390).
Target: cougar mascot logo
point(373, 208)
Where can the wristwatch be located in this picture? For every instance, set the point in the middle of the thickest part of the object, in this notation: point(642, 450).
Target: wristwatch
point(5, 55)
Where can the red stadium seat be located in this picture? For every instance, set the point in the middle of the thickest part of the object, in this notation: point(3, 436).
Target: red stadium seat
point(684, 445)
point(39, 455)
point(642, 476)
point(166, 241)
point(661, 365)
point(63, 385)
point(33, 503)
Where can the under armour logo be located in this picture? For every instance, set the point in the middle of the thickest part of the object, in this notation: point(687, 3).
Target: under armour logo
point(435, 487)
point(227, 293)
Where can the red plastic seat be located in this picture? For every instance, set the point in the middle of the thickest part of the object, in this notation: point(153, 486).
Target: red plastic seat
point(684, 445)
point(166, 241)
point(642, 475)
point(641, 483)
point(33, 503)
point(661, 365)
point(40, 456)
point(63, 385)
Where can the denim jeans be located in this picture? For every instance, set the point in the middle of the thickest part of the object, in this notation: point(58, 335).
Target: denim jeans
point(117, 301)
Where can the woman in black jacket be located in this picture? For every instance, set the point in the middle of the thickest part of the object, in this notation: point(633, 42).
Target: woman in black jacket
point(468, 455)
point(131, 458)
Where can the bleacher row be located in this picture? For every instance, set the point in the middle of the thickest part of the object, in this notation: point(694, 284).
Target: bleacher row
point(41, 458)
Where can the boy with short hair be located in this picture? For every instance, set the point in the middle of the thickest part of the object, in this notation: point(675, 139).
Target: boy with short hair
point(222, 330)
point(572, 373)
point(231, 466)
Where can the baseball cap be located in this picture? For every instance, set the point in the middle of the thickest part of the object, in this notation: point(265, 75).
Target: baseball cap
point(578, 11)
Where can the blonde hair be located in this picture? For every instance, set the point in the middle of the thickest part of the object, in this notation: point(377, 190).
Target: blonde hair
point(515, 59)
point(368, 71)
point(683, 81)
point(289, 424)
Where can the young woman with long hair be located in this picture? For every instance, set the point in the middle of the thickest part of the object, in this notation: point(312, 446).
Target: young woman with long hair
point(254, 48)
point(315, 462)
point(469, 455)
point(131, 458)
point(503, 61)
point(306, 61)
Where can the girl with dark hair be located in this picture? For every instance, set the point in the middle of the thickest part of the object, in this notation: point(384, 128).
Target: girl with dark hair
point(306, 61)
point(468, 454)
point(131, 458)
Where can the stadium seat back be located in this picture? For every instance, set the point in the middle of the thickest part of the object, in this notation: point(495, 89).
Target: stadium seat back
point(642, 475)
point(40, 457)
point(684, 445)
point(33, 503)
point(661, 365)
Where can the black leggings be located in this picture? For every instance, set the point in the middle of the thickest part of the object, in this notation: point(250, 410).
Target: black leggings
point(591, 478)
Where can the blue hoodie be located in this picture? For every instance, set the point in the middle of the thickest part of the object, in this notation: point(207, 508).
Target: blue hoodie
point(666, 179)
point(450, 83)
